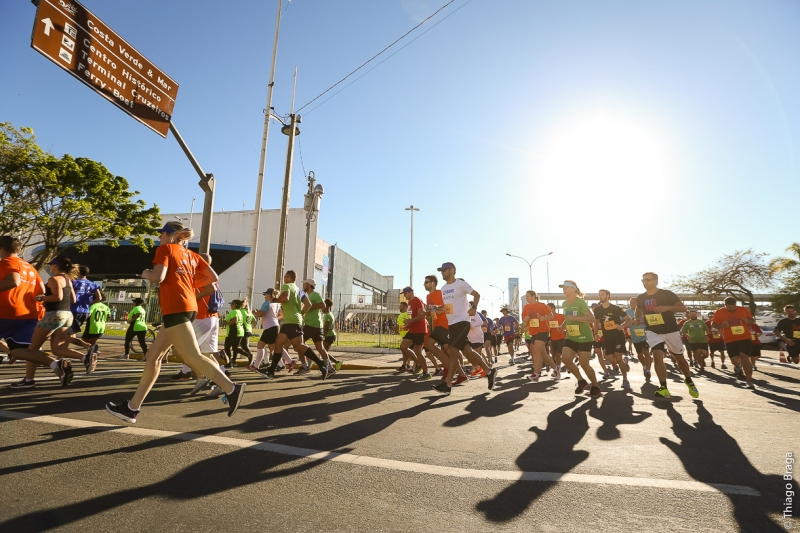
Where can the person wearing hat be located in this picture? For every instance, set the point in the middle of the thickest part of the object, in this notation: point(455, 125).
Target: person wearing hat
point(438, 327)
point(458, 311)
point(508, 327)
point(268, 313)
point(312, 328)
point(416, 328)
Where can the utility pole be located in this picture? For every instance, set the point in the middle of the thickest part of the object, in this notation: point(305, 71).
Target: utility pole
point(292, 131)
point(259, 186)
point(411, 264)
point(311, 207)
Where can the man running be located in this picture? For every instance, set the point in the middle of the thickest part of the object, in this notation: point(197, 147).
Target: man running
point(535, 317)
point(557, 336)
point(508, 328)
point(439, 332)
point(734, 322)
point(416, 327)
point(639, 340)
point(86, 293)
point(458, 311)
point(656, 308)
point(696, 333)
point(612, 321)
point(715, 343)
point(312, 330)
point(788, 330)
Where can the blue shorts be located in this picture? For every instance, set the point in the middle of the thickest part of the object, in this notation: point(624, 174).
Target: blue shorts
point(18, 331)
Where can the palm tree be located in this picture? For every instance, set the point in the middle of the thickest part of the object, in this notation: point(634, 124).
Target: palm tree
point(787, 264)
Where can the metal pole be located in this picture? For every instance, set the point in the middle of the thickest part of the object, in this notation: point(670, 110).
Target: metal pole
point(411, 260)
point(259, 186)
point(530, 274)
point(207, 183)
point(309, 214)
point(548, 277)
point(191, 213)
point(287, 183)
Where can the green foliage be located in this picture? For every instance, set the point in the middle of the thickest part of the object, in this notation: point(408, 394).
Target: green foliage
point(787, 269)
point(48, 201)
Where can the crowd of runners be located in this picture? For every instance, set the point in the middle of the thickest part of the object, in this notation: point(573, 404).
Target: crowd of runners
point(444, 336)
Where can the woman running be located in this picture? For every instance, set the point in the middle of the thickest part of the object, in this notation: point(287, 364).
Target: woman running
point(247, 323)
point(269, 320)
point(577, 322)
point(137, 327)
point(55, 325)
point(536, 316)
point(178, 271)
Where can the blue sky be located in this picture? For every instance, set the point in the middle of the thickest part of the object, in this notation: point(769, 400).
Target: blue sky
point(622, 136)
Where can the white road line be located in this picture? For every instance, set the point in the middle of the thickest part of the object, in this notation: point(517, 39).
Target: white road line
point(389, 464)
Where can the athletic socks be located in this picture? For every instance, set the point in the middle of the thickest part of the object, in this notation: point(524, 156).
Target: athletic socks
point(287, 359)
point(185, 369)
point(259, 356)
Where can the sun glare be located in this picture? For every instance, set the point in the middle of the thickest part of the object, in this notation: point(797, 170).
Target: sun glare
point(608, 159)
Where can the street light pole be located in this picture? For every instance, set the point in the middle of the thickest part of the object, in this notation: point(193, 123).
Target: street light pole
point(191, 213)
point(311, 206)
point(411, 261)
point(530, 265)
point(503, 292)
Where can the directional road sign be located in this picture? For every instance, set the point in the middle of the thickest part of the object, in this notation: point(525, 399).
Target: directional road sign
point(73, 38)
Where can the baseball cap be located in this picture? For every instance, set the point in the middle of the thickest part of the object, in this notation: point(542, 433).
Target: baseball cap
point(445, 266)
point(268, 291)
point(310, 282)
point(407, 289)
point(56, 261)
point(568, 284)
point(167, 229)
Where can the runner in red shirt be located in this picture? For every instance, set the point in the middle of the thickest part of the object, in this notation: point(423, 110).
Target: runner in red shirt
point(535, 316)
point(734, 322)
point(557, 335)
point(416, 327)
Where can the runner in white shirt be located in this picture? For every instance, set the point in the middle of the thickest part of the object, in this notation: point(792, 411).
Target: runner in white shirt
point(269, 321)
point(455, 306)
point(477, 325)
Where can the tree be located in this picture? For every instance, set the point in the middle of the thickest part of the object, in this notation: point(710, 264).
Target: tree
point(54, 201)
point(787, 269)
point(737, 275)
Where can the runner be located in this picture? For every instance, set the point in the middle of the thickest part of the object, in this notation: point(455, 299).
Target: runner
point(293, 304)
point(788, 330)
point(535, 317)
point(86, 293)
point(578, 319)
point(488, 336)
point(95, 328)
point(20, 284)
point(266, 343)
point(405, 347)
point(439, 332)
point(656, 308)
point(612, 321)
point(56, 326)
point(178, 271)
point(715, 343)
point(557, 337)
point(475, 337)
point(415, 328)
point(734, 322)
point(247, 323)
point(329, 326)
point(234, 321)
point(498, 338)
point(137, 327)
point(458, 311)
point(508, 328)
point(312, 328)
point(639, 340)
point(756, 332)
point(696, 333)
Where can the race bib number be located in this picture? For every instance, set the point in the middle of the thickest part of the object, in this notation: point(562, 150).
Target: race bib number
point(639, 332)
point(553, 323)
point(506, 328)
point(715, 335)
point(796, 334)
point(533, 323)
point(600, 334)
point(448, 309)
point(655, 320)
point(737, 330)
point(609, 325)
point(753, 337)
point(574, 331)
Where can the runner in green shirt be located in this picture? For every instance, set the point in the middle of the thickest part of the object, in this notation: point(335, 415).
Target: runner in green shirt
point(577, 320)
point(312, 330)
point(137, 327)
point(235, 322)
point(696, 331)
point(95, 327)
point(329, 327)
point(247, 324)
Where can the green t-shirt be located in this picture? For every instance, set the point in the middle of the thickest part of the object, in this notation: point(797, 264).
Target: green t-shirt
point(237, 314)
point(696, 331)
point(98, 314)
point(248, 319)
point(400, 321)
point(291, 307)
point(328, 319)
point(312, 318)
point(577, 331)
point(140, 324)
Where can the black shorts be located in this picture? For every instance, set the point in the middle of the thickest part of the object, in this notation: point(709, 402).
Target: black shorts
point(178, 318)
point(793, 352)
point(441, 335)
point(488, 337)
point(543, 336)
point(292, 331)
point(736, 348)
point(417, 339)
point(756, 350)
point(269, 336)
point(597, 344)
point(578, 346)
point(476, 345)
point(313, 334)
point(557, 346)
point(330, 339)
point(78, 319)
point(614, 342)
point(640, 347)
point(698, 346)
point(714, 346)
point(497, 341)
point(458, 335)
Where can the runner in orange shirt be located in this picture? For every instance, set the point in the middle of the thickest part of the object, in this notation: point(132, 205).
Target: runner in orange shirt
point(734, 322)
point(19, 286)
point(439, 333)
point(178, 271)
point(535, 316)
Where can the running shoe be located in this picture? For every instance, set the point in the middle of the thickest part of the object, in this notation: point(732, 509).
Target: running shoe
point(24, 384)
point(751, 385)
point(290, 366)
point(417, 370)
point(425, 377)
point(324, 372)
point(121, 410)
point(235, 397)
point(713, 365)
point(64, 372)
point(331, 370)
point(491, 377)
point(594, 392)
point(692, 389)
point(182, 376)
point(266, 374)
point(441, 387)
point(90, 359)
point(252, 368)
point(460, 379)
point(338, 365)
point(740, 373)
point(215, 392)
point(534, 377)
point(512, 362)
point(626, 384)
point(301, 371)
point(124, 357)
point(483, 374)
point(475, 371)
point(647, 376)
point(724, 366)
point(201, 383)
point(438, 372)
point(556, 373)
point(662, 392)
point(582, 385)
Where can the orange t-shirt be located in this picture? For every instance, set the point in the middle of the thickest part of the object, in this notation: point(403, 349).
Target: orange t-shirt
point(435, 298)
point(202, 306)
point(177, 293)
point(535, 324)
point(18, 303)
point(555, 332)
point(738, 330)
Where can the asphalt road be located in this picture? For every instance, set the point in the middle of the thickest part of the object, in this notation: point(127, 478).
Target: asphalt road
point(376, 451)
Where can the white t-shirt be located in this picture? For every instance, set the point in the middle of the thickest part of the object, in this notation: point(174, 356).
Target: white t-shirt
point(456, 305)
point(270, 319)
point(475, 331)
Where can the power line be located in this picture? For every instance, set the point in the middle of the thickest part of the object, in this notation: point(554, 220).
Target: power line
point(376, 55)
